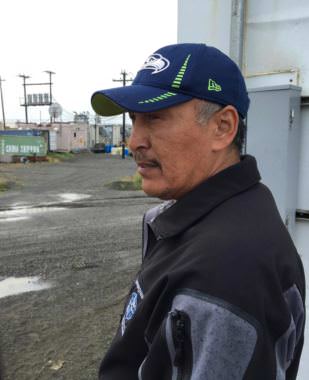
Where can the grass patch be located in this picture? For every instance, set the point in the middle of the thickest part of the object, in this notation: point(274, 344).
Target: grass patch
point(127, 183)
point(4, 184)
point(8, 182)
point(55, 157)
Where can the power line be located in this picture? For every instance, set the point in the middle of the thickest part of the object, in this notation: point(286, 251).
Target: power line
point(124, 81)
point(28, 103)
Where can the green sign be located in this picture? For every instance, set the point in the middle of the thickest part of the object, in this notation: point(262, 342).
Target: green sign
point(22, 145)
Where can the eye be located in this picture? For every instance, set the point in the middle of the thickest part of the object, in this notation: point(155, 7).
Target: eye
point(153, 116)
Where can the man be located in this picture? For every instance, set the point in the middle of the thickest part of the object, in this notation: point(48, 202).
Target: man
point(220, 293)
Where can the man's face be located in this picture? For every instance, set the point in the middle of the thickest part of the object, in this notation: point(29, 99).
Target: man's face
point(172, 150)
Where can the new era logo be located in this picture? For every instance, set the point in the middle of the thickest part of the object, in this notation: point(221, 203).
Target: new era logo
point(213, 86)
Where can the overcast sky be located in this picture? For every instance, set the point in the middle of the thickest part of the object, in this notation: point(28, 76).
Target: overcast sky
point(86, 43)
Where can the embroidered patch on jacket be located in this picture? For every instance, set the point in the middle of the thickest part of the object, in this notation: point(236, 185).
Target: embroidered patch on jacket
point(134, 299)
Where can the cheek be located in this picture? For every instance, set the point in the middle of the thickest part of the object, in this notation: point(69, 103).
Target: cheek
point(177, 156)
point(184, 167)
point(174, 167)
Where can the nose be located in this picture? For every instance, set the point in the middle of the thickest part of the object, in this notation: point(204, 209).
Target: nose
point(139, 138)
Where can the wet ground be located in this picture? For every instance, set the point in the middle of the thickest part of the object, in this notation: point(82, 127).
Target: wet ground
point(69, 249)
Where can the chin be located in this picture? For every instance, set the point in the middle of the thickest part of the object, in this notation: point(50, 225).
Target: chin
point(163, 193)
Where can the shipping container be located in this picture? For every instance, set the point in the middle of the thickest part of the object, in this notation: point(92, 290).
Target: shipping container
point(23, 146)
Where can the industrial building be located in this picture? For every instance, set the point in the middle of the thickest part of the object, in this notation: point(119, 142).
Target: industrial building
point(31, 139)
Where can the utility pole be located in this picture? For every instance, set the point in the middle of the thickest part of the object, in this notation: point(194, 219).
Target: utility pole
point(2, 103)
point(25, 94)
point(124, 81)
point(50, 73)
point(97, 122)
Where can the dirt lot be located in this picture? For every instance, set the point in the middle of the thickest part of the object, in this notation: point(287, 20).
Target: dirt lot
point(61, 223)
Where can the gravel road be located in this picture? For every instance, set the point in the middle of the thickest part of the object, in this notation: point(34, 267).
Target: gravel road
point(61, 224)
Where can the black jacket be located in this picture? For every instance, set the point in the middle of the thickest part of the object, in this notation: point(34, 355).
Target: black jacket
point(220, 293)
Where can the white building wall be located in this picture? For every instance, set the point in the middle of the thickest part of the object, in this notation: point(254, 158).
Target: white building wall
point(205, 21)
point(116, 134)
point(276, 39)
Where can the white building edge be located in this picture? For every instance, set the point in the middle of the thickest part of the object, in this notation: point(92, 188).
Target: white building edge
point(269, 40)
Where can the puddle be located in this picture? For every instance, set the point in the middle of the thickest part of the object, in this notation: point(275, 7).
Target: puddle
point(73, 197)
point(14, 219)
point(20, 211)
point(17, 285)
point(26, 212)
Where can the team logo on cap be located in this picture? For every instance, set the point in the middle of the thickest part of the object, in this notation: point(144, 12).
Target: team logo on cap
point(157, 63)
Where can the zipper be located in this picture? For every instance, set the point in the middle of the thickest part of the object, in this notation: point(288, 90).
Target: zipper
point(182, 343)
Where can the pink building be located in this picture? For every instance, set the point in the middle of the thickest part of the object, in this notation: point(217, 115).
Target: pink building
point(64, 137)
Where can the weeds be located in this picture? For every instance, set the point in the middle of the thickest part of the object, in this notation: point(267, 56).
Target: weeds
point(55, 157)
point(4, 184)
point(127, 183)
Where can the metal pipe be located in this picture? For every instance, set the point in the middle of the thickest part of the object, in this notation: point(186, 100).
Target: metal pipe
point(237, 31)
point(264, 73)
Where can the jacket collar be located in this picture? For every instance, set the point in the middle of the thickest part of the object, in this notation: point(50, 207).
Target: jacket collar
point(205, 197)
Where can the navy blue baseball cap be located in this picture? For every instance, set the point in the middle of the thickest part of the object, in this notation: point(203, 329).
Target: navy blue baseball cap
point(176, 74)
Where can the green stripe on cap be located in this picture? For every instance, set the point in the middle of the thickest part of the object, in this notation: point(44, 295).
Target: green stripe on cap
point(159, 98)
point(178, 79)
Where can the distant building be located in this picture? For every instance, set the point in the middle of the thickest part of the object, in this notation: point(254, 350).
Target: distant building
point(63, 137)
point(81, 117)
point(70, 137)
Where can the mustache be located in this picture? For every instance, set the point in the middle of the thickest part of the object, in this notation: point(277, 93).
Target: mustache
point(140, 156)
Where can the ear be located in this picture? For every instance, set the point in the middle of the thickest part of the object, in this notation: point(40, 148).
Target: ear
point(224, 128)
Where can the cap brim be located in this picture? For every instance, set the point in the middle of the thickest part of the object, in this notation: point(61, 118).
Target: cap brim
point(134, 98)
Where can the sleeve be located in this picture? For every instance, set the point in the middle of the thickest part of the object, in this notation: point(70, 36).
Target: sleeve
point(201, 338)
